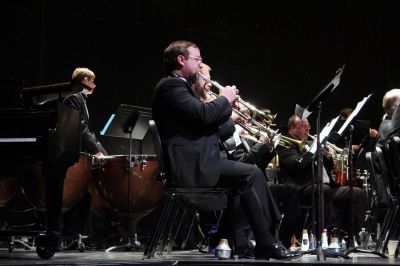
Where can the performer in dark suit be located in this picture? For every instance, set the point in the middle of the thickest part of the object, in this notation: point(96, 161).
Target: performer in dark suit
point(237, 148)
point(75, 219)
point(188, 129)
point(84, 77)
point(296, 170)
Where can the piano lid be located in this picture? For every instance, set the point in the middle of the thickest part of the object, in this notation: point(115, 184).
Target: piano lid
point(38, 95)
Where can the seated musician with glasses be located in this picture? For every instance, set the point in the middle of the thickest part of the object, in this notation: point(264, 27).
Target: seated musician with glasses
point(189, 129)
point(296, 170)
point(235, 147)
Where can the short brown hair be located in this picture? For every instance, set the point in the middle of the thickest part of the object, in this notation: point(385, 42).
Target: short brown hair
point(173, 50)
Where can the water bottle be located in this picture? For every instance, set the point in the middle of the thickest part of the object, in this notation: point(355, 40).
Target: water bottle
point(212, 242)
point(305, 243)
point(363, 236)
point(324, 239)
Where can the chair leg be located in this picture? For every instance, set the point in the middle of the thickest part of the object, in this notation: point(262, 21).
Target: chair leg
point(176, 227)
point(173, 214)
point(195, 218)
point(387, 225)
point(155, 238)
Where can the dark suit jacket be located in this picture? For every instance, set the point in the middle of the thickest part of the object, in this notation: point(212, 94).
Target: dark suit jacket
point(384, 129)
point(188, 131)
point(297, 172)
point(89, 143)
point(258, 154)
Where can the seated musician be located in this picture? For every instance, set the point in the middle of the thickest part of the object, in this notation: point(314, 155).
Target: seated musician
point(237, 148)
point(188, 130)
point(358, 146)
point(296, 170)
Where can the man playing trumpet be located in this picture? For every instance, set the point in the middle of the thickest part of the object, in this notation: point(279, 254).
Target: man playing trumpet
point(242, 146)
point(296, 170)
point(188, 130)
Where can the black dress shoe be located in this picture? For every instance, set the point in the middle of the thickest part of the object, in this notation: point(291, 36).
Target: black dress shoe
point(278, 252)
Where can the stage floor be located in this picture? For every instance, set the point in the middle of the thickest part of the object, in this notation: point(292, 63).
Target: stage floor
point(192, 257)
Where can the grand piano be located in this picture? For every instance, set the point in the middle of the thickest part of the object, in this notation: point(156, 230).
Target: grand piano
point(35, 126)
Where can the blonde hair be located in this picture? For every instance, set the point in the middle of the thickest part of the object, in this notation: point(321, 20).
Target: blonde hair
point(80, 73)
point(205, 67)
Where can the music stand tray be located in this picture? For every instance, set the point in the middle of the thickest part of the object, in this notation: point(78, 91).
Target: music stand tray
point(303, 113)
point(128, 122)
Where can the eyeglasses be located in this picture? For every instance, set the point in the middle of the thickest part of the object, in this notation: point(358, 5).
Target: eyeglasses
point(304, 126)
point(198, 59)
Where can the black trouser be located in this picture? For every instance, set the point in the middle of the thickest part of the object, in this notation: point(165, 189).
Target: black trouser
point(248, 182)
point(287, 196)
point(306, 195)
point(358, 206)
point(340, 198)
point(75, 219)
point(54, 172)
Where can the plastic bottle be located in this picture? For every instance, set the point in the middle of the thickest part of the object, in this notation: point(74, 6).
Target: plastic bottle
point(324, 239)
point(212, 242)
point(305, 243)
point(363, 236)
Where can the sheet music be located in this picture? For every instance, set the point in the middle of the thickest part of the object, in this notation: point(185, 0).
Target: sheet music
point(350, 119)
point(324, 134)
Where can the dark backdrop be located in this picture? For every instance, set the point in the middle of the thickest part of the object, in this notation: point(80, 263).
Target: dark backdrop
point(278, 53)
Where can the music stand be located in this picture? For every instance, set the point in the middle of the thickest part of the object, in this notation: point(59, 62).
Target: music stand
point(318, 203)
point(131, 122)
point(348, 125)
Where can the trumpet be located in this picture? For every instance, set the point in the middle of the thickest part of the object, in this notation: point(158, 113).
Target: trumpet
point(287, 142)
point(333, 149)
point(267, 116)
point(256, 129)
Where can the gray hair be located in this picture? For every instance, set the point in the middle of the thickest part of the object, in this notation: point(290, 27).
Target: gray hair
point(390, 101)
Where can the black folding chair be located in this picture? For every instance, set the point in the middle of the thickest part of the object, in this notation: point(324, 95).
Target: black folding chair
point(178, 200)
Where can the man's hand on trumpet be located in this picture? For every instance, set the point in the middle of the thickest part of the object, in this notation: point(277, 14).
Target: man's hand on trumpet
point(267, 141)
point(231, 93)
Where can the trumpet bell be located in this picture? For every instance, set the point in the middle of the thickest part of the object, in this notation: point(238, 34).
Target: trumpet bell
point(287, 142)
